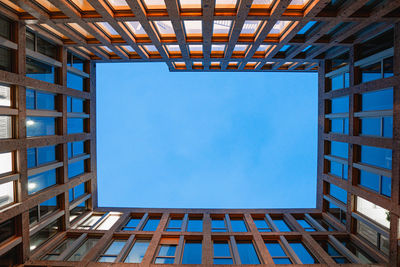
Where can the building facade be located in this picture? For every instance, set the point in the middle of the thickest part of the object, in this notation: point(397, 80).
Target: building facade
point(48, 183)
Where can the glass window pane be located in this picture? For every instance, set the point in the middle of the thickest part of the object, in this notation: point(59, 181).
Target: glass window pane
point(192, 253)
point(6, 193)
point(377, 100)
point(303, 253)
point(48, 206)
point(174, 225)
point(43, 235)
point(76, 168)
point(282, 226)
point(6, 162)
point(371, 72)
point(132, 224)
point(40, 71)
point(371, 126)
point(388, 127)
point(380, 157)
point(115, 248)
point(275, 249)
point(46, 48)
point(386, 186)
point(75, 125)
point(41, 181)
point(39, 126)
point(5, 95)
point(388, 67)
point(75, 81)
point(6, 57)
point(45, 101)
point(5, 127)
point(195, 225)
point(46, 154)
point(374, 212)
point(308, 227)
point(247, 253)
point(282, 261)
point(221, 249)
point(81, 252)
point(340, 104)
point(151, 225)
point(369, 180)
point(77, 105)
point(108, 222)
point(167, 250)
point(223, 261)
point(337, 82)
point(238, 225)
point(338, 193)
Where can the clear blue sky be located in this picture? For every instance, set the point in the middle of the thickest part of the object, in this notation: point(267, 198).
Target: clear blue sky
point(205, 140)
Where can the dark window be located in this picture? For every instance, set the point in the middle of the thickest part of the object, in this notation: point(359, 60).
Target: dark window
point(332, 251)
point(5, 28)
point(247, 252)
point(40, 126)
point(46, 48)
point(7, 229)
point(40, 71)
point(55, 253)
point(5, 59)
point(195, 225)
point(192, 252)
point(327, 226)
point(277, 253)
point(222, 253)
point(151, 224)
point(362, 255)
point(44, 234)
point(11, 257)
point(336, 212)
point(41, 211)
point(372, 236)
point(137, 252)
point(76, 168)
point(77, 211)
point(41, 181)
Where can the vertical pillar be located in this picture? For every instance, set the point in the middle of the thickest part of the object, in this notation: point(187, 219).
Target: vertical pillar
point(91, 69)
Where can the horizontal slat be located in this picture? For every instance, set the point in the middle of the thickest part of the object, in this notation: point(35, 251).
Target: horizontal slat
point(77, 72)
point(373, 169)
point(42, 58)
point(44, 168)
point(377, 113)
point(43, 113)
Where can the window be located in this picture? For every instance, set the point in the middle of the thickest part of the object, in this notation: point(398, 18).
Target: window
point(339, 149)
point(109, 221)
point(5, 28)
point(222, 253)
point(76, 192)
point(39, 100)
point(40, 126)
point(340, 81)
point(131, 224)
point(6, 57)
point(74, 104)
point(7, 229)
point(247, 252)
point(359, 253)
point(340, 125)
point(375, 156)
point(262, 225)
point(218, 225)
point(338, 169)
point(77, 211)
point(377, 100)
point(55, 253)
point(81, 252)
point(44, 234)
point(75, 125)
point(381, 126)
point(138, 250)
point(41, 181)
point(151, 224)
point(41, 211)
point(6, 193)
point(278, 255)
point(75, 61)
point(90, 222)
point(336, 211)
point(6, 129)
point(195, 225)
point(327, 226)
point(40, 45)
point(303, 253)
point(238, 225)
point(282, 225)
point(332, 251)
point(39, 70)
point(377, 70)
point(76, 149)
point(381, 241)
point(5, 95)
point(6, 163)
point(306, 225)
point(112, 252)
point(378, 183)
point(75, 81)
point(374, 212)
point(174, 224)
point(192, 252)
point(40, 155)
point(338, 193)
point(76, 168)
point(166, 254)
point(340, 105)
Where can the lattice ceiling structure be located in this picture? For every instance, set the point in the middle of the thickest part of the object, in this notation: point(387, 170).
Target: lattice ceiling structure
point(208, 35)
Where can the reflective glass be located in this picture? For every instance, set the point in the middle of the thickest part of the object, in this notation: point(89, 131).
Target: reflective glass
point(81, 252)
point(380, 157)
point(43, 235)
point(238, 225)
point(76, 168)
point(75, 125)
point(46, 154)
point(221, 249)
point(6, 193)
point(39, 126)
point(75, 81)
point(377, 100)
point(247, 253)
point(371, 126)
point(340, 104)
point(6, 56)
point(31, 157)
point(282, 225)
point(369, 180)
point(192, 253)
point(371, 72)
point(195, 225)
point(151, 225)
point(41, 181)
point(338, 193)
point(132, 224)
point(303, 253)
point(339, 149)
point(388, 127)
point(40, 71)
point(45, 101)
